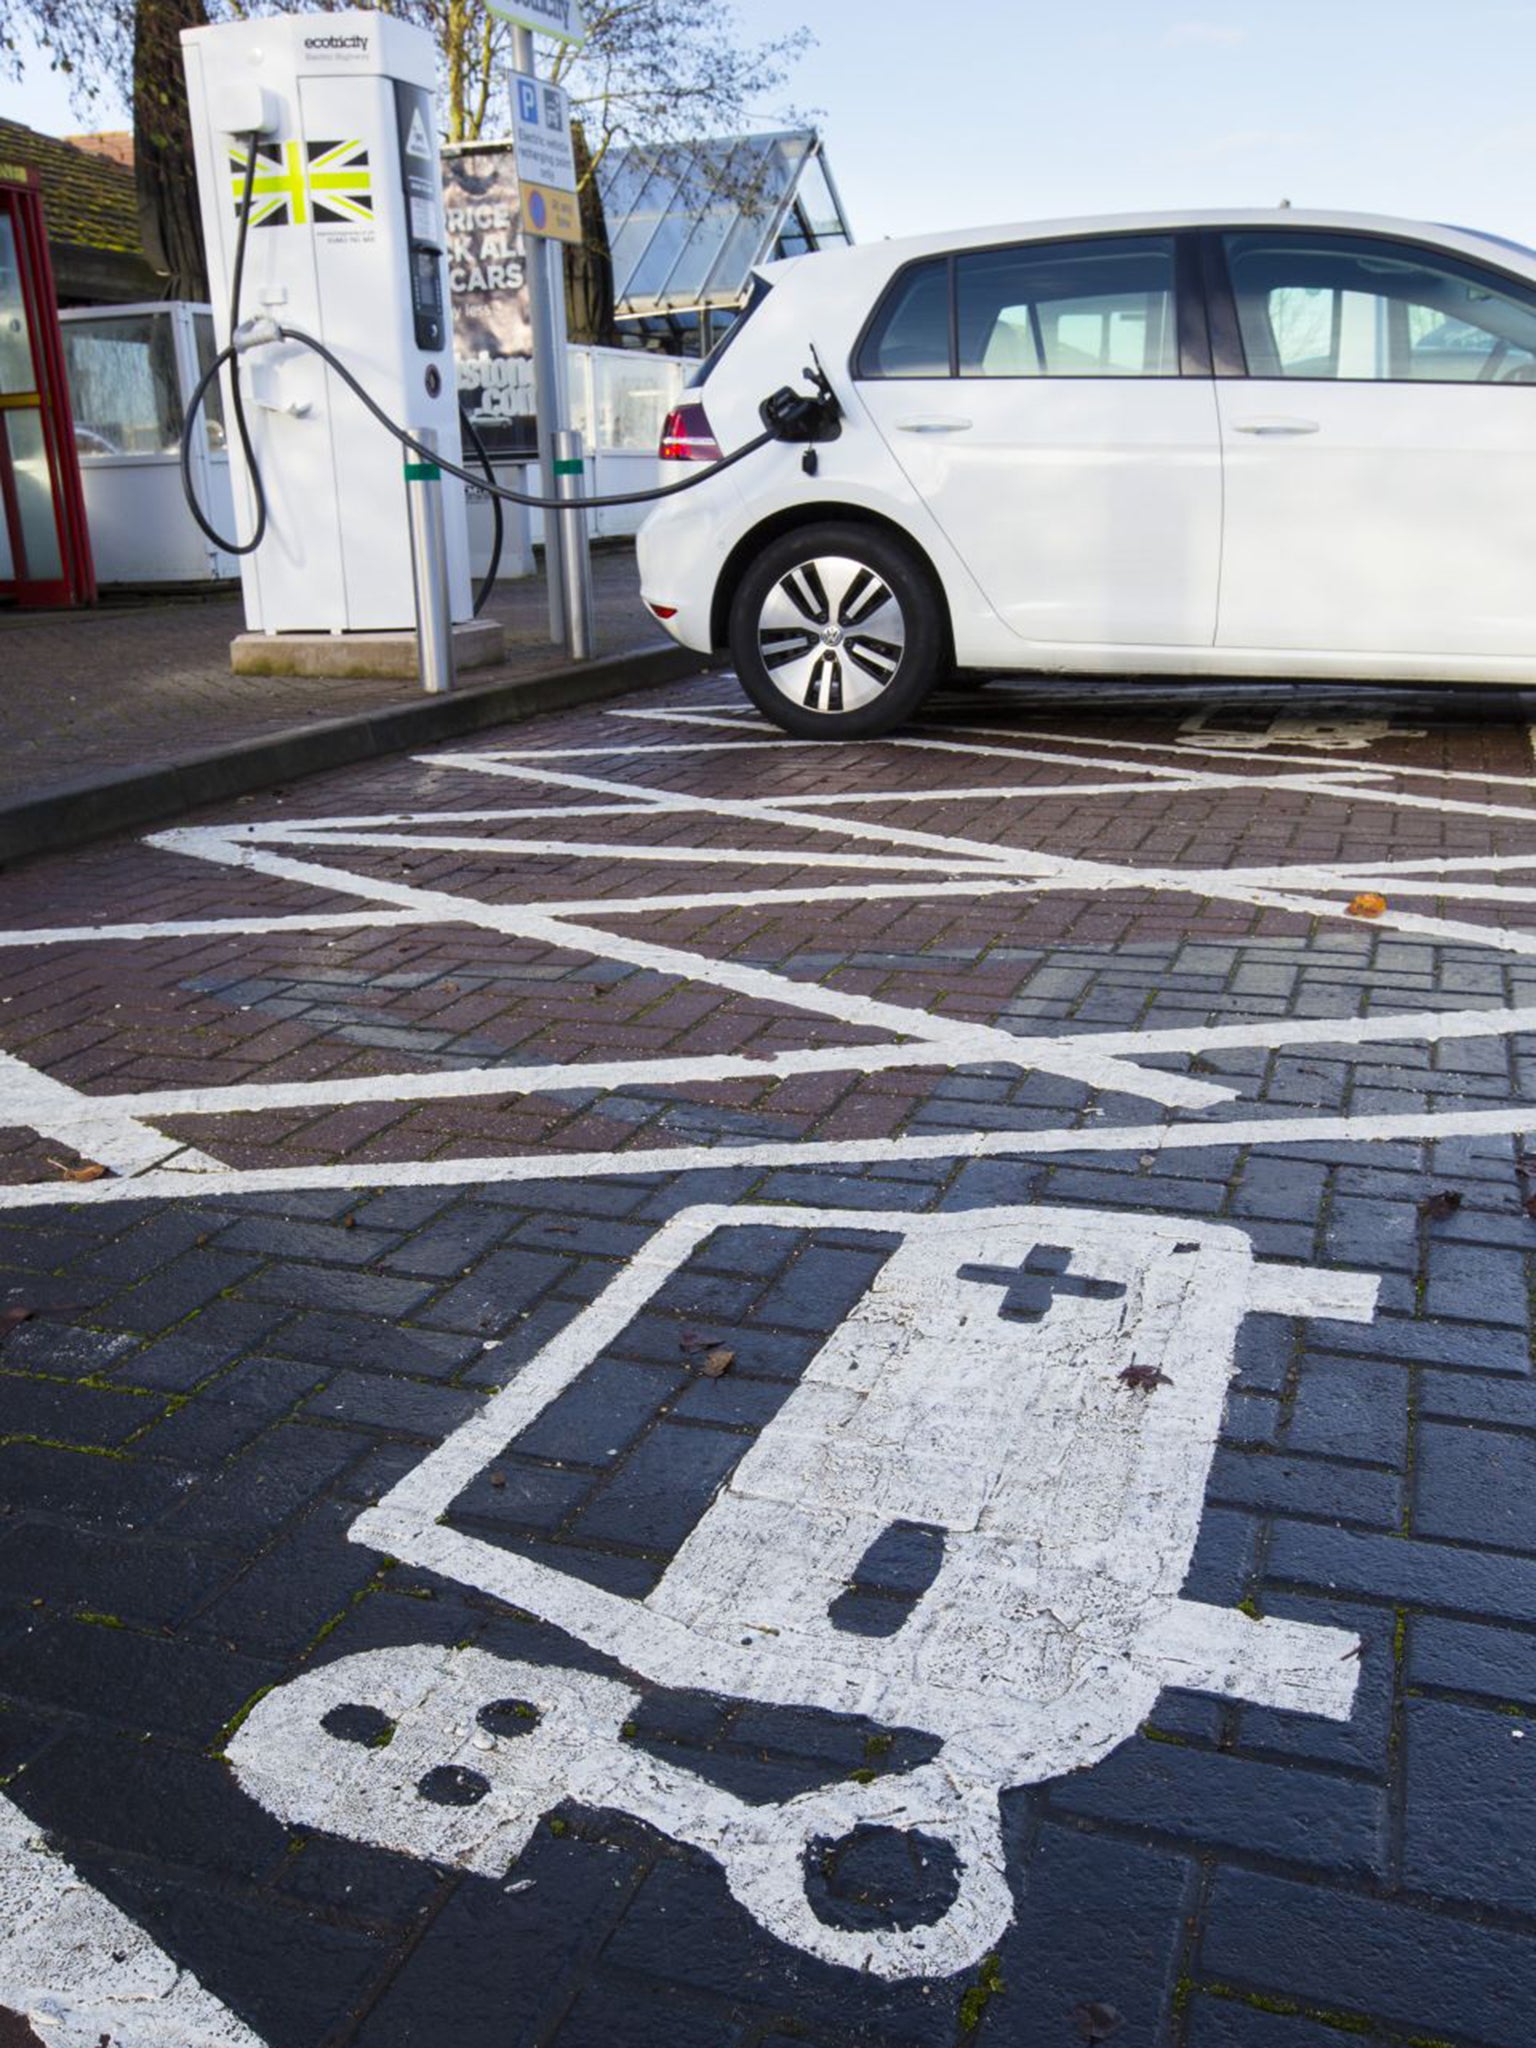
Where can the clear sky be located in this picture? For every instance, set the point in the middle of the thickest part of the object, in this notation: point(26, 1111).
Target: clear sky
point(974, 111)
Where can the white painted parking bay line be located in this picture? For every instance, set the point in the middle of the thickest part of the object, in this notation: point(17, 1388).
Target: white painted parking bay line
point(80, 1972)
point(1046, 1052)
point(1272, 1133)
point(91, 1125)
point(779, 990)
point(208, 928)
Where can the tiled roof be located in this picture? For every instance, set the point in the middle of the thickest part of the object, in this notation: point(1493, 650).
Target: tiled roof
point(87, 199)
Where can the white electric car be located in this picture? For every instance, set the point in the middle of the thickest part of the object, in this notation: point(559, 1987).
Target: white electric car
point(1261, 443)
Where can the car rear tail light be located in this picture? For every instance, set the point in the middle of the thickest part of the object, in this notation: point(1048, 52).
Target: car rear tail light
point(688, 436)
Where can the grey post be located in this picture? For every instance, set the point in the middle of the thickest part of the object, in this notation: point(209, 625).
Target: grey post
point(429, 567)
point(570, 472)
point(546, 317)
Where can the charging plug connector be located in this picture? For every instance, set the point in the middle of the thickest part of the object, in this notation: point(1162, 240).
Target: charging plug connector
point(257, 332)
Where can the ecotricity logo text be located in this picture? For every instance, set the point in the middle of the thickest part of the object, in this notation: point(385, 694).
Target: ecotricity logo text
point(335, 42)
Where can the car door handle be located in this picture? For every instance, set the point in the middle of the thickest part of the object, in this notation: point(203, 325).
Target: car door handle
point(933, 426)
point(1277, 424)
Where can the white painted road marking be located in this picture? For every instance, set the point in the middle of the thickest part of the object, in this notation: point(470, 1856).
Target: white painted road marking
point(978, 1390)
point(883, 861)
point(80, 1972)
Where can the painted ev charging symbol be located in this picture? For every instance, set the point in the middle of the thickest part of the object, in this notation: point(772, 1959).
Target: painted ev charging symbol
point(980, 1392)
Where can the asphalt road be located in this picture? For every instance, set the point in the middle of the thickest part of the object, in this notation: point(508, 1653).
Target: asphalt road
point(663, 1386)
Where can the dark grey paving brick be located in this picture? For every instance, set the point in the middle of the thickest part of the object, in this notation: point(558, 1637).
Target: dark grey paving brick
point(121, 1678)
point(1200, 1795)
point(332, 1340)
point(1351, 1408)
point(1498, 1663)
point(217, 1336)
point(1424, 1972)
point(186, 1287)
point(1231, 2022)
point(285, 1469)
point(1305, 1486)
point(575, 1893)
point(1477, 1284)
point(305, 1581)
point(62, 1412)
point(606, 1408)
point(1396, 1569)
point(663, 1488)
point(1471, 1805)
point(1475, 1486)
point(516, 1493)
point(324, 1287)
point(502, 1287)
point(108, 1792)
point(377, 1400)
point(149, 1584)
point(246, 1942)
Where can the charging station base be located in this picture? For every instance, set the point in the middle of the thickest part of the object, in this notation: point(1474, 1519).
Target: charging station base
point(480, 643)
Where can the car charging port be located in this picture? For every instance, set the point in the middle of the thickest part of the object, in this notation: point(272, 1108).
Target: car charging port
point(791, 415)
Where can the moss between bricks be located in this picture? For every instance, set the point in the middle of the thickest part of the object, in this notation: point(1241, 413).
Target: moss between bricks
point(989, 1985)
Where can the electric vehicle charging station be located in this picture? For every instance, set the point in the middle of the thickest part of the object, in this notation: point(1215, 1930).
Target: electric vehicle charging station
point(345, 241)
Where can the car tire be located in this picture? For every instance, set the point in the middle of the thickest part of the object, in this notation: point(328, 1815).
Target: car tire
point(837, 632)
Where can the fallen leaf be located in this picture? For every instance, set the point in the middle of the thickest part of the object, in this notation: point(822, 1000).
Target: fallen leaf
point(1146, 1378)
point(1529, 1205)
point(1525, 1165)
point(89, 1171)
point(498, 1479)
point(1097, 2022)
point(690, 1340)
point(10, 1317)
point(718, 1362)
point(1366, 904)
point(349, 1223)
point(1445, 1203)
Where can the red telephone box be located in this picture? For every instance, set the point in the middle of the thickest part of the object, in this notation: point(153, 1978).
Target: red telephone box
point(45, 549)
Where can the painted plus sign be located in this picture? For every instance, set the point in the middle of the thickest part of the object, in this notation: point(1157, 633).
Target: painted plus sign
point(1033, 1286)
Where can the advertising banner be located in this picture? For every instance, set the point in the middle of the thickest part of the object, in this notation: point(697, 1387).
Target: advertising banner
point(487, 276)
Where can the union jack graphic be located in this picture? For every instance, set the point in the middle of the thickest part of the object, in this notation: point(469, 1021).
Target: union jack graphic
point(328, 183)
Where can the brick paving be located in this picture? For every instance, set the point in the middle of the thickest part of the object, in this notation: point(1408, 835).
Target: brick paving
point(215, 1380)
point(93, 693)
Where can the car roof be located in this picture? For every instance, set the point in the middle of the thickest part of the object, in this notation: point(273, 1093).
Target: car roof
point(891, 255)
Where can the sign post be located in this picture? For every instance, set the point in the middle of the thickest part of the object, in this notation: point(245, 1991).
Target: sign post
point(565, 22)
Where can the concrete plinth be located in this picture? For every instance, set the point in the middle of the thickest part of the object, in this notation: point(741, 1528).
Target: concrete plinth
point(480, 643)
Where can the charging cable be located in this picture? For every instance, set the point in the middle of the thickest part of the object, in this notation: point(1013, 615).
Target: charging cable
point(263, 330)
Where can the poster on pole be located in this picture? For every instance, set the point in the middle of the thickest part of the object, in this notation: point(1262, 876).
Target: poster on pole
point(488, 282)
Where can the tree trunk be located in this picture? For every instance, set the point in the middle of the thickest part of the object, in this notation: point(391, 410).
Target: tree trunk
point(162, 146)
point(589, 266)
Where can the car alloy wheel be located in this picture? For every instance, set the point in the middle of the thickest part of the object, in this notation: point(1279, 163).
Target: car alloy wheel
point(831, 634)
point(837, 631)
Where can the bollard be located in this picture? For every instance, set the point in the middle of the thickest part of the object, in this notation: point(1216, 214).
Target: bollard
point(576, 564)
point(429, 568)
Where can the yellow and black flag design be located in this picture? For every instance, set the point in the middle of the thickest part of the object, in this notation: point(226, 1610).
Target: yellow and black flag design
point(340, 183)
point(328, 183)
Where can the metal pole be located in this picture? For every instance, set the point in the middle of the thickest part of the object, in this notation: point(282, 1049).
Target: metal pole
point(429, 568)
point(546, 317)
point(570, 472)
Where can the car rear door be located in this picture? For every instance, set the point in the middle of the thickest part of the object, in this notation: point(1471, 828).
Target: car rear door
point(1378, 419)
point(1052, 404)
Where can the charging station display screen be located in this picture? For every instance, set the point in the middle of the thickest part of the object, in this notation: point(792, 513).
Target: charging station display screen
point(423, 223)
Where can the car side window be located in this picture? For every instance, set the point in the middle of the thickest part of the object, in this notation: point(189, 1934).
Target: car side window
point(910, 333)
point(1329, 306)
point(1102, 308)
